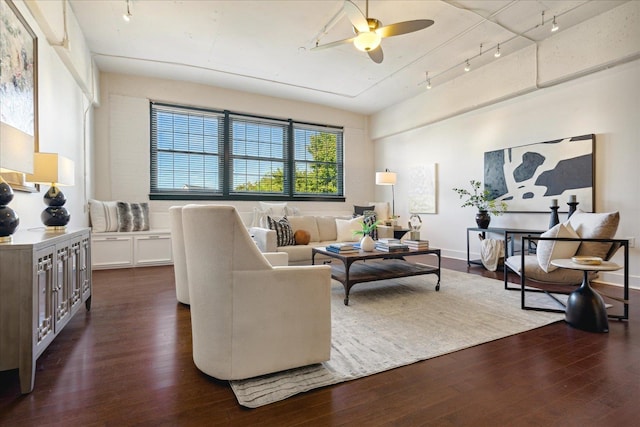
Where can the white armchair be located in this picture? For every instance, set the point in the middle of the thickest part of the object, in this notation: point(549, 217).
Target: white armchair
point(180, 262)
point(248, 317)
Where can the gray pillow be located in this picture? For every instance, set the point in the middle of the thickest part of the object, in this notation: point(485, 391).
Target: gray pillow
point(133, 216)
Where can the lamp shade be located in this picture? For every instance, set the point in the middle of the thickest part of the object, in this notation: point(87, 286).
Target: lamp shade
point(386, 178)
point(16, 150)
point(52, 168)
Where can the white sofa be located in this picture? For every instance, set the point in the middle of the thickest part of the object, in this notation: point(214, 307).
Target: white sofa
point(322, 230)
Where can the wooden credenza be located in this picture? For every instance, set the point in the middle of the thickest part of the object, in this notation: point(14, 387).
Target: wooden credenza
point(44, 279)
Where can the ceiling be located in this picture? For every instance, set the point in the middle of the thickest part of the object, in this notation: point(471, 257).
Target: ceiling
point(265, 46)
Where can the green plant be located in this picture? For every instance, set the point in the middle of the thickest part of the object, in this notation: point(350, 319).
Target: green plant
point(480, 199)
point(367, 229)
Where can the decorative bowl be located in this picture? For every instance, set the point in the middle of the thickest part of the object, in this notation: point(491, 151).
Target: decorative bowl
point(587, 260)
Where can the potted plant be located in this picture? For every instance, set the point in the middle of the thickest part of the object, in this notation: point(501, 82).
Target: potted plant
point(480, 199)
point(367, 243)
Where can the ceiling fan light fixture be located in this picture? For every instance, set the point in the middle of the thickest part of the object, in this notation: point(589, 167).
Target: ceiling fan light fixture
point(367, 41)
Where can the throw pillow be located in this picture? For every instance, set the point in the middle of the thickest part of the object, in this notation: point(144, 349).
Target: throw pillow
point(104, 216)
point(133, 216)
point(382, 210)
point(284, 233)
point(346, 227)
point(594, 226)
point(302, 237)
point(359, 210)
point(369, 219)
point(549, 250)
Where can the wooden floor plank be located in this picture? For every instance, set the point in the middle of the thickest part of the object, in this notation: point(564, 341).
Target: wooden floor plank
point(128, 362)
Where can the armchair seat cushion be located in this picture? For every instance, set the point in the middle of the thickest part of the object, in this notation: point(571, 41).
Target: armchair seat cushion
point(534, 271)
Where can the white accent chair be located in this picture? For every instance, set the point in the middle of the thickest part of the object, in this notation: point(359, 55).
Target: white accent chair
point(180, 261)
point(249, 318)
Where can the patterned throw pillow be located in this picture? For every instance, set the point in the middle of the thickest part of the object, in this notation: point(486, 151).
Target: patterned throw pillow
point(369, 219)
point(360, 210)
point(284, 232)
point(133, 216)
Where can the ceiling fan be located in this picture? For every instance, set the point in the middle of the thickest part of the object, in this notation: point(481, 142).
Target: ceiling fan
point(370, 31)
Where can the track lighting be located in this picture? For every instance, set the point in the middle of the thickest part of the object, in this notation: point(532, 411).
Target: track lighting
point(497, 54)
point(127, 15)
point(555, 27)
point(467, 67)
point(428, 80)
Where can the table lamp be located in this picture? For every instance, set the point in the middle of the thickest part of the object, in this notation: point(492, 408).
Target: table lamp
point(388, 178)
point(16, 155)
point(54, 169)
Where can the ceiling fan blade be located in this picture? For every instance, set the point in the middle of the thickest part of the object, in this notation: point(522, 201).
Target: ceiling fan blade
point(332, 44)
point(376, 55)
point(355, 15)
point(404, 27)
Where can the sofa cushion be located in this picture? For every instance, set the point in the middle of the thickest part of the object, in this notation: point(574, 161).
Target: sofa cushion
point(133, 216)
point(104, 216)
point(302, 237)
point(549, 250)
point(382, 210)
point(594, 226)
point(327, 228)
point(346, 227)
point(307, 223)
point(284, 233)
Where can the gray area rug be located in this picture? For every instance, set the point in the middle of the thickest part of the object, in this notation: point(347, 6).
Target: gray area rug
point(394, 323)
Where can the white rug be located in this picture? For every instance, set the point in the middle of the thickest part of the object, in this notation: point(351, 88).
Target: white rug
point(398, 322)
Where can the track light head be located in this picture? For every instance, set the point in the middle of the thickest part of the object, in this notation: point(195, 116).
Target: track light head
point(554, 27)
point(467, 66)
point(127, 15)
point(497, 54)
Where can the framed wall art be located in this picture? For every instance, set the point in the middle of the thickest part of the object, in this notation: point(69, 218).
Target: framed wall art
point(18, 82)
point(422, 189)
point(529, 177)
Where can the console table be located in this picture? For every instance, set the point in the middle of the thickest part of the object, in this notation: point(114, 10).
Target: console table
point(506, 234)
point(44, 279)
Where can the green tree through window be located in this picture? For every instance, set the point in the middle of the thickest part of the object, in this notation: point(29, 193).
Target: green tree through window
point(243, 157)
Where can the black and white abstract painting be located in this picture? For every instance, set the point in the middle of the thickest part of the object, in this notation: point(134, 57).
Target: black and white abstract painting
point(530, 177)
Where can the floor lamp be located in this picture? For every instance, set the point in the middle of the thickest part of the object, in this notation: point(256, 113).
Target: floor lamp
point(388, 178)
point(16, 156)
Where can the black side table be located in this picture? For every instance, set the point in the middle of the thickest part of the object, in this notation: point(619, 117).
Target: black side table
point(586, 309)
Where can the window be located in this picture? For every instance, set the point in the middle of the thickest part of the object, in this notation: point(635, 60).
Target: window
point(203, 154)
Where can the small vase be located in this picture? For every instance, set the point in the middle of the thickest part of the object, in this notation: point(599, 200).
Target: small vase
point(367, 244)
point(483, 219)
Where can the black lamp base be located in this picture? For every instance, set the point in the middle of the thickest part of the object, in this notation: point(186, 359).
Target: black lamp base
point(9, 221)
point(55, 215)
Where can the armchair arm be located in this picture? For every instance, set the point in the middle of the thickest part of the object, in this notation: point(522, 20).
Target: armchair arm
point(266, 239)
point(277, 258)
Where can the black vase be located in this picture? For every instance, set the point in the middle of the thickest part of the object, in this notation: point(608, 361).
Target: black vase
point(483, 219)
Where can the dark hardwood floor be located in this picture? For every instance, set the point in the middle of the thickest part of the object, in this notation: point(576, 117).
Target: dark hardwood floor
point(128, 362)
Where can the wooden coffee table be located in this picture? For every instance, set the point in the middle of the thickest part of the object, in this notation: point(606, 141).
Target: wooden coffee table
point(359, 267)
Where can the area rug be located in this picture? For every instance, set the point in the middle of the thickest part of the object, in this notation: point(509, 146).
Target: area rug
point(397, 322)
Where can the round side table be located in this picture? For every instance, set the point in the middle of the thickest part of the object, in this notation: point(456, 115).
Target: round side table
point(585, 308)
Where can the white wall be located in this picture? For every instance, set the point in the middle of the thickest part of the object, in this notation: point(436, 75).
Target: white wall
point(606, 103)
point(63, 117)
point(122, 138)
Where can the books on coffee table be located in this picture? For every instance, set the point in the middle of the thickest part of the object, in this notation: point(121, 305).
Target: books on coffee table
point(391, 247)
point(342, 248)
point(417, 244)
